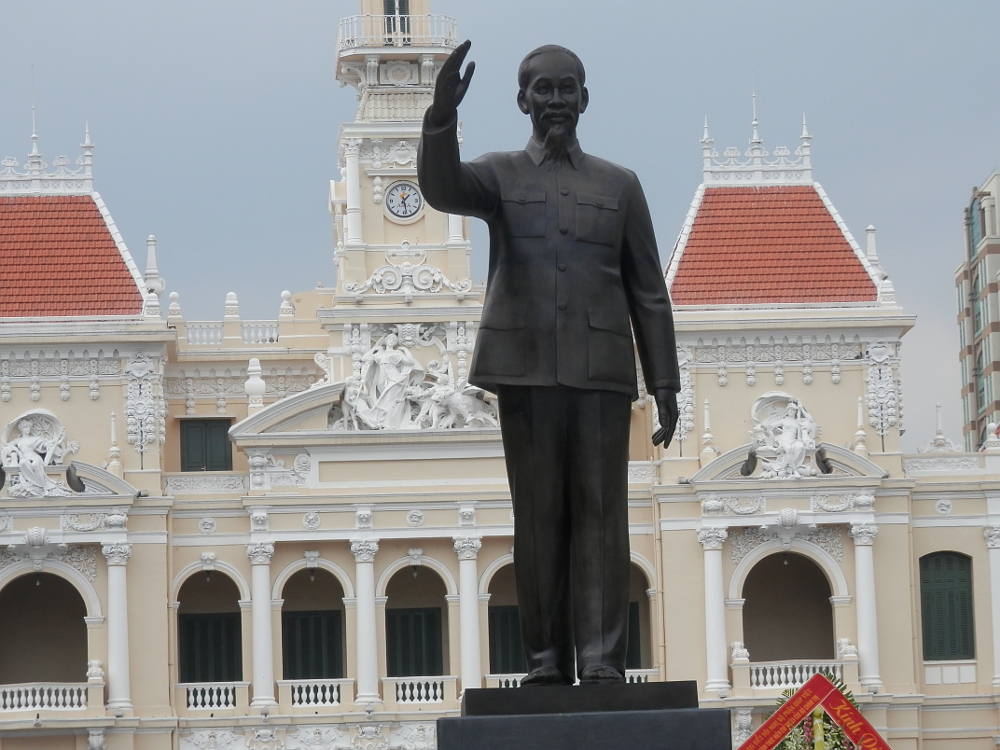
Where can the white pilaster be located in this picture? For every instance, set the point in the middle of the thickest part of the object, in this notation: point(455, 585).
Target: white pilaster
point(367, 646)
point(119, 689)
point(260, 611)
point(715, 610)
point(864, 584)
point(468, 610)
point(352, 149)
point(455, 236)
point(992, 534)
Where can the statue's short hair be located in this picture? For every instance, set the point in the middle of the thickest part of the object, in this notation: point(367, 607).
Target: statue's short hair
point(522, 70)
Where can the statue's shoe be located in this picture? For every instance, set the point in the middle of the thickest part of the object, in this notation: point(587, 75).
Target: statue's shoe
point(597, 674)
point(545, 676)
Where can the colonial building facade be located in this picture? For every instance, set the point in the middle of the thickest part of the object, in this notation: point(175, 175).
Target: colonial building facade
point(297, 533)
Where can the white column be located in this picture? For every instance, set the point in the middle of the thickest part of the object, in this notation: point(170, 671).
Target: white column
point(715, 610)
point(468, 611)
point(455, 235)
point(352, 148)
point(119, 690)
point(864, 585)
point(367, 645)
point(992, 534)
point(260, 614)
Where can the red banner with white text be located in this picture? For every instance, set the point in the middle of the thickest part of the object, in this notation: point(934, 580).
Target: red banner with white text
point(817, 691)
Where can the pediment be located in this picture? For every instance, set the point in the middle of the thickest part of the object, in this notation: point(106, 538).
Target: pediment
point(843, 462)
point(299, 414)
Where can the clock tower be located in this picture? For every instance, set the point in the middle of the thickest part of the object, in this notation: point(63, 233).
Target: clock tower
point(392, 249)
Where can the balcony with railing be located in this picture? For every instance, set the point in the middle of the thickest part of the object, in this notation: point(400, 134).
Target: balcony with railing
point(304, 696)
point(414, 693)
point(365, 32)
point(771, 678)
point(220, 698)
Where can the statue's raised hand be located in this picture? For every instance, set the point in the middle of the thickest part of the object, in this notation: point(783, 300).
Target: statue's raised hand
point(451, 85)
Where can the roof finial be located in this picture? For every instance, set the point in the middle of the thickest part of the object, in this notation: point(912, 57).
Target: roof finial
point(705, 137)
point(753, 98)
point(805, 131)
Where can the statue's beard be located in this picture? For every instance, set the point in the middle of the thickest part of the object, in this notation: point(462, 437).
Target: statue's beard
point(558, 140)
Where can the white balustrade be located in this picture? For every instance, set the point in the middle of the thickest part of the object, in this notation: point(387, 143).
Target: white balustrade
point(210, 695)
point(260, 332)
point(55, 697)
point(790, 674)
point(632, 676)
point(418, 689)
point(315, 692)
point(503, 680)
point(204, 334)
point(396, 31)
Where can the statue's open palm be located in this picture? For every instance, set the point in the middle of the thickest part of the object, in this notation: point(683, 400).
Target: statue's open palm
point(451, 85)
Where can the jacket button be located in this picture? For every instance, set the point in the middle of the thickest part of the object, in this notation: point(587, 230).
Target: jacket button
point(600, 204)
point(562, 305)
point(563, 230)
point(521, 199)
point(562, 266)
point(564, 191)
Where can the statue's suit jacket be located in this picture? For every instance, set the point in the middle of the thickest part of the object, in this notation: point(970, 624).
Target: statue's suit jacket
point(573, 262)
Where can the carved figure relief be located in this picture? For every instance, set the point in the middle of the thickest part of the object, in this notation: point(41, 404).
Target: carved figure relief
point(784, 436)
point(393, 391)
point(41, 442)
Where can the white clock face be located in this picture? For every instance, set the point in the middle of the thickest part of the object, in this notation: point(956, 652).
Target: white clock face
point(404, 200)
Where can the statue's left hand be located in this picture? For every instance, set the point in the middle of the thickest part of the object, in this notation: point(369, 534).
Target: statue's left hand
point(666, 407)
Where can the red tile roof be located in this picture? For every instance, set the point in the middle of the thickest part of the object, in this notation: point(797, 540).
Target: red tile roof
point(58, 257)
point(761, 245)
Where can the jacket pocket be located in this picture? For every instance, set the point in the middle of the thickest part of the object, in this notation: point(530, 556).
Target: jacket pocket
point(500, 348)
point(596, 219)
point(524, 214)
point(610, 354)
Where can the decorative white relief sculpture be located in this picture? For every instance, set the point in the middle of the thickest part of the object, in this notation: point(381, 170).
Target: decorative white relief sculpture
point(393, 392)
point(685, 397)
point(845, 649)
point(406, 273)
point(207, 525)
point(415, 518)
point(144, 409)
point(364, 550)
point(416, 737)
point(265, 739)
point(883, 395)
point(41, 443)
point(738, 652)
point(311, 520)
point(784, 436)
point(369, 737)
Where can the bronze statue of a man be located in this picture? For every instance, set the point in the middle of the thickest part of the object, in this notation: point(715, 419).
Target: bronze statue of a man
point(574, 274)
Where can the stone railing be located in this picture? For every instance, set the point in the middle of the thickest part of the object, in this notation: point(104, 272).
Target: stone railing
point(792, 674)
point(410, 690)
point(396, 31)
point(310, 693)
point(632, 676)
point(204, 334)
point(211, 696)
point(36, 697)
point(260, 332)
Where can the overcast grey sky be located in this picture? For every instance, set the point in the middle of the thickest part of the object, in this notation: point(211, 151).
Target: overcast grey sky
point(216, 121)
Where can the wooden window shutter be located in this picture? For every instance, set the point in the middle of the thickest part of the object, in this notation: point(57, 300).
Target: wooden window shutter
point(947, 616)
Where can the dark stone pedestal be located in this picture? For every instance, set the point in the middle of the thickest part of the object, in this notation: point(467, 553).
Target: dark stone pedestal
point(676, 729)
point(663, 715)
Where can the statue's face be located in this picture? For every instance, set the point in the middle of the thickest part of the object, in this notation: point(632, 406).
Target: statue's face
point(554, 95)
point(390, 340)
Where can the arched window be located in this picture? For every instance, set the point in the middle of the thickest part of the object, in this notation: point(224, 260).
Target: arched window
point(946, 606)
point(209, 629)
point(44, 634)
point(415, 628)
point(312, 626)
point(787, 612)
